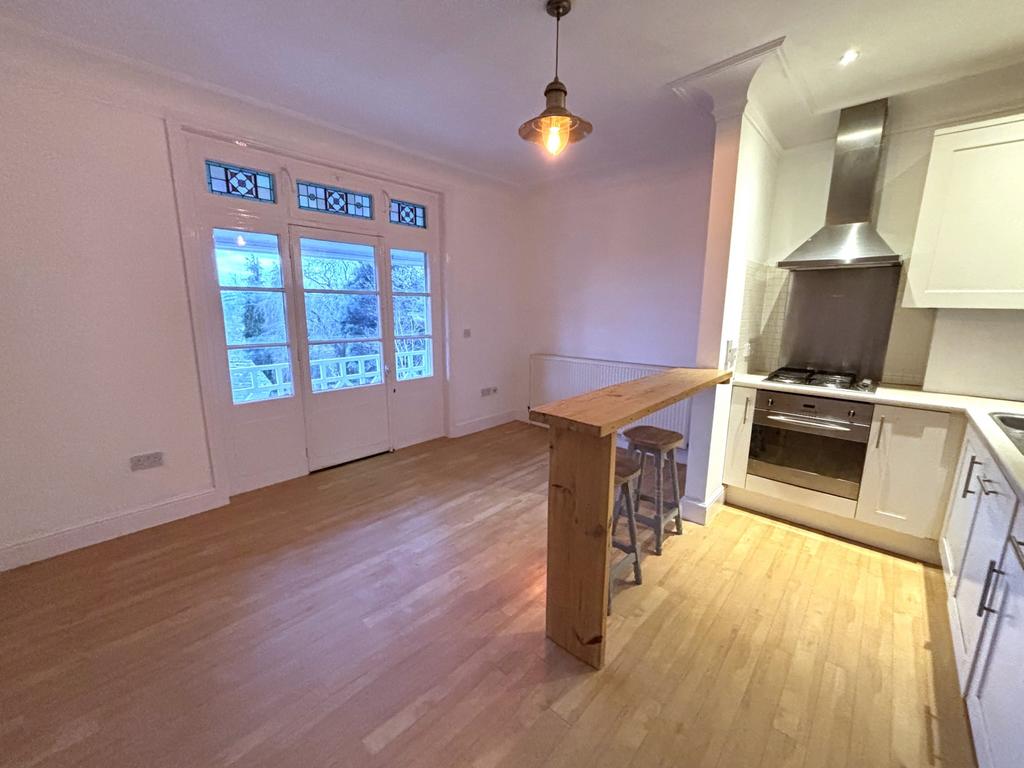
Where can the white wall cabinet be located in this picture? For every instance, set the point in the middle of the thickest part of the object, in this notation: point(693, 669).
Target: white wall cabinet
point(737, 446)
point(969, 246)
point(962, 506)
point(907, 470)
point(994, 700)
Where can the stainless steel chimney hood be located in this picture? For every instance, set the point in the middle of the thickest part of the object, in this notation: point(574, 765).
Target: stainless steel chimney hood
point(849, 239)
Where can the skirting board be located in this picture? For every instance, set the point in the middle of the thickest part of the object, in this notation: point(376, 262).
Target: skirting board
point(703, 512)
point(925, 550)
point(50, 545)
point(464, 428)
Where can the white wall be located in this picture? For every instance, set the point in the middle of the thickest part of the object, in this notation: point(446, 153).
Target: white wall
point(97, 333)
point(617, 265)
point(978, 351)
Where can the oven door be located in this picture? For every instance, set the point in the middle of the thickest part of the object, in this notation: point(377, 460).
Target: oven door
point(820, 455)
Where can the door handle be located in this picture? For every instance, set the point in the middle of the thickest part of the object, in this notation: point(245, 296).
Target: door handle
point(881, 426)
point(825, 426)
point(984, 488)
point(970, 473)
point(989, 576)
point(746, 406)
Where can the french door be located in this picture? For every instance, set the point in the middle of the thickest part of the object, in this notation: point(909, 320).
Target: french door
point(321, 311)
point(344, 333)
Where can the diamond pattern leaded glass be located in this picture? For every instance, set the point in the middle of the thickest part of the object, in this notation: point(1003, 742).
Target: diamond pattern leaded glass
point(409, 214)
point(224, 179)
point(344, 202)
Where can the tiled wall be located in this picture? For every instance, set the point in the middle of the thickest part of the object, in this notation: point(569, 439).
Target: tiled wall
point(764, 309)
point(765, 296)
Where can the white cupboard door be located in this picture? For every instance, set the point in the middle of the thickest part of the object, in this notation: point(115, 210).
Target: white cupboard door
point(969, 246)
point(963, 504)
point(737, 447)
point(907, 470)
point(981, 558)
point(997, 691)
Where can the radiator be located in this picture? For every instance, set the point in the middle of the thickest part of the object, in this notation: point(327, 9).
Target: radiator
point(554, 377)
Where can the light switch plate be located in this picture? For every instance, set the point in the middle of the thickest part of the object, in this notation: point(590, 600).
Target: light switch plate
point(146, 461)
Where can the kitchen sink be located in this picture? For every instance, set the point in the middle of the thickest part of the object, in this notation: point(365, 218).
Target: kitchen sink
point(1013, 425)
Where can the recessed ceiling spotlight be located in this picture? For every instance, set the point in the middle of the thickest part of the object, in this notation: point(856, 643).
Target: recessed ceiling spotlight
point(849, 57)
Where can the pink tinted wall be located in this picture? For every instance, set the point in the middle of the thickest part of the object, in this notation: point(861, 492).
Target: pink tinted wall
point(617, 264)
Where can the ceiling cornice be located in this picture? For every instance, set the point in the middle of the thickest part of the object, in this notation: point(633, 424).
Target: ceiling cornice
point(721, 88)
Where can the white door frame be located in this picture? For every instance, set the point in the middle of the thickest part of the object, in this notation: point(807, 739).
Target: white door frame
point(194, 203)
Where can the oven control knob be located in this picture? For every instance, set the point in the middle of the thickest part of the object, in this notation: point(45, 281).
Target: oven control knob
point(771, 401)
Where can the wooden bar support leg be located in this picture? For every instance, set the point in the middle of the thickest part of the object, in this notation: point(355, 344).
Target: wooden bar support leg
point(580, 497)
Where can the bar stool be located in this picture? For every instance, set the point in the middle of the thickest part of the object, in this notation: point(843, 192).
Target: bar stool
point(660, 445)
point(627, 470)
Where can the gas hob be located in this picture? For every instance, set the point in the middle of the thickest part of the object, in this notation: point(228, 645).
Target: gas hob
point(826, 379)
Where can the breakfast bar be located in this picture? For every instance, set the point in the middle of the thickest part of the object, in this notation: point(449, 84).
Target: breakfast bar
point(580, 496)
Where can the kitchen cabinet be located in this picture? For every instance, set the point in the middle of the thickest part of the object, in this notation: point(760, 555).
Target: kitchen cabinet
point(737, 446)
point(979, 565)
point(968, 250)
point(907, 469)
point(997, 688)
point(963, 504)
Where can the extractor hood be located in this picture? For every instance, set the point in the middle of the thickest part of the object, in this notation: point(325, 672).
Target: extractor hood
point(849, 239)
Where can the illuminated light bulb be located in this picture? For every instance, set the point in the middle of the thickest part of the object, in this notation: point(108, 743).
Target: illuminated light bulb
point(556, 133)
point(240, 241)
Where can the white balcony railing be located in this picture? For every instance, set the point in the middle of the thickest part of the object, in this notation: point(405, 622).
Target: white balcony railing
point(252, 383)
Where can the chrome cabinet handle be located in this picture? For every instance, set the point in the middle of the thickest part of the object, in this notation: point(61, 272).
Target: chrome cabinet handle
point(970, 473)
point(746, 405)
point(881, 426)
point(989, 576)
point(984, 488)
point(1018, 549)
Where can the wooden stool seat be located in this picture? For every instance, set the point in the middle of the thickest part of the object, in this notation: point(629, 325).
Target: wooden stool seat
point(626, 467)
point(653, 438)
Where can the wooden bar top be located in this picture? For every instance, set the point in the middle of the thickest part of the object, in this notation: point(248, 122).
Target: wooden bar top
point(603, 411)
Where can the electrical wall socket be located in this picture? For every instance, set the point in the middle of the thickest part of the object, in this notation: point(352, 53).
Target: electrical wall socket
point(486, 391)
point(146, 461)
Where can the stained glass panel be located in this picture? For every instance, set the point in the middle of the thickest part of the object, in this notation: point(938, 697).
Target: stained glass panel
point(409, 214)
point(343, 202)
point(224, 179)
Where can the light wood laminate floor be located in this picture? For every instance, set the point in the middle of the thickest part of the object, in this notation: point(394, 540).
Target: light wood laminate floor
point(390, 613)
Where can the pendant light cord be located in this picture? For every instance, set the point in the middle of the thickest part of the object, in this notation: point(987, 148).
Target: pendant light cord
point(558, 22)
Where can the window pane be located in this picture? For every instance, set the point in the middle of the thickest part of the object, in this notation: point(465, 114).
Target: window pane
point(409, 272)
point(253, 317)
point(247, 259)
point(412, 315)
point(260, 374)
point(340, 366)
point(337, 266)
point(414, 358)
point(332, 316)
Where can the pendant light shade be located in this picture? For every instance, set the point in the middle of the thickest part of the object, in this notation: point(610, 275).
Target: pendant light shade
point(556, 127)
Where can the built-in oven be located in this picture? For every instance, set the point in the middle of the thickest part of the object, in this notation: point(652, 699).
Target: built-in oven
point(817, 443)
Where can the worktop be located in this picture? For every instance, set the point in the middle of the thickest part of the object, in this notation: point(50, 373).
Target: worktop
point(976, 409)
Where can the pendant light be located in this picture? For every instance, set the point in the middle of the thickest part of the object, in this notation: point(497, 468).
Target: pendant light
point(556, 127)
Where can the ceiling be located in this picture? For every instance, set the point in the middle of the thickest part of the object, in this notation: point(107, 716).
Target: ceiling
point(453, 79)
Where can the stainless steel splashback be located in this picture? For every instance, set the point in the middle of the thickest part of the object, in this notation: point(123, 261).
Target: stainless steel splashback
point(839, 319)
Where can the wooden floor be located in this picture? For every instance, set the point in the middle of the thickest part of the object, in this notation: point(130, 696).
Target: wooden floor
point(390, 613)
